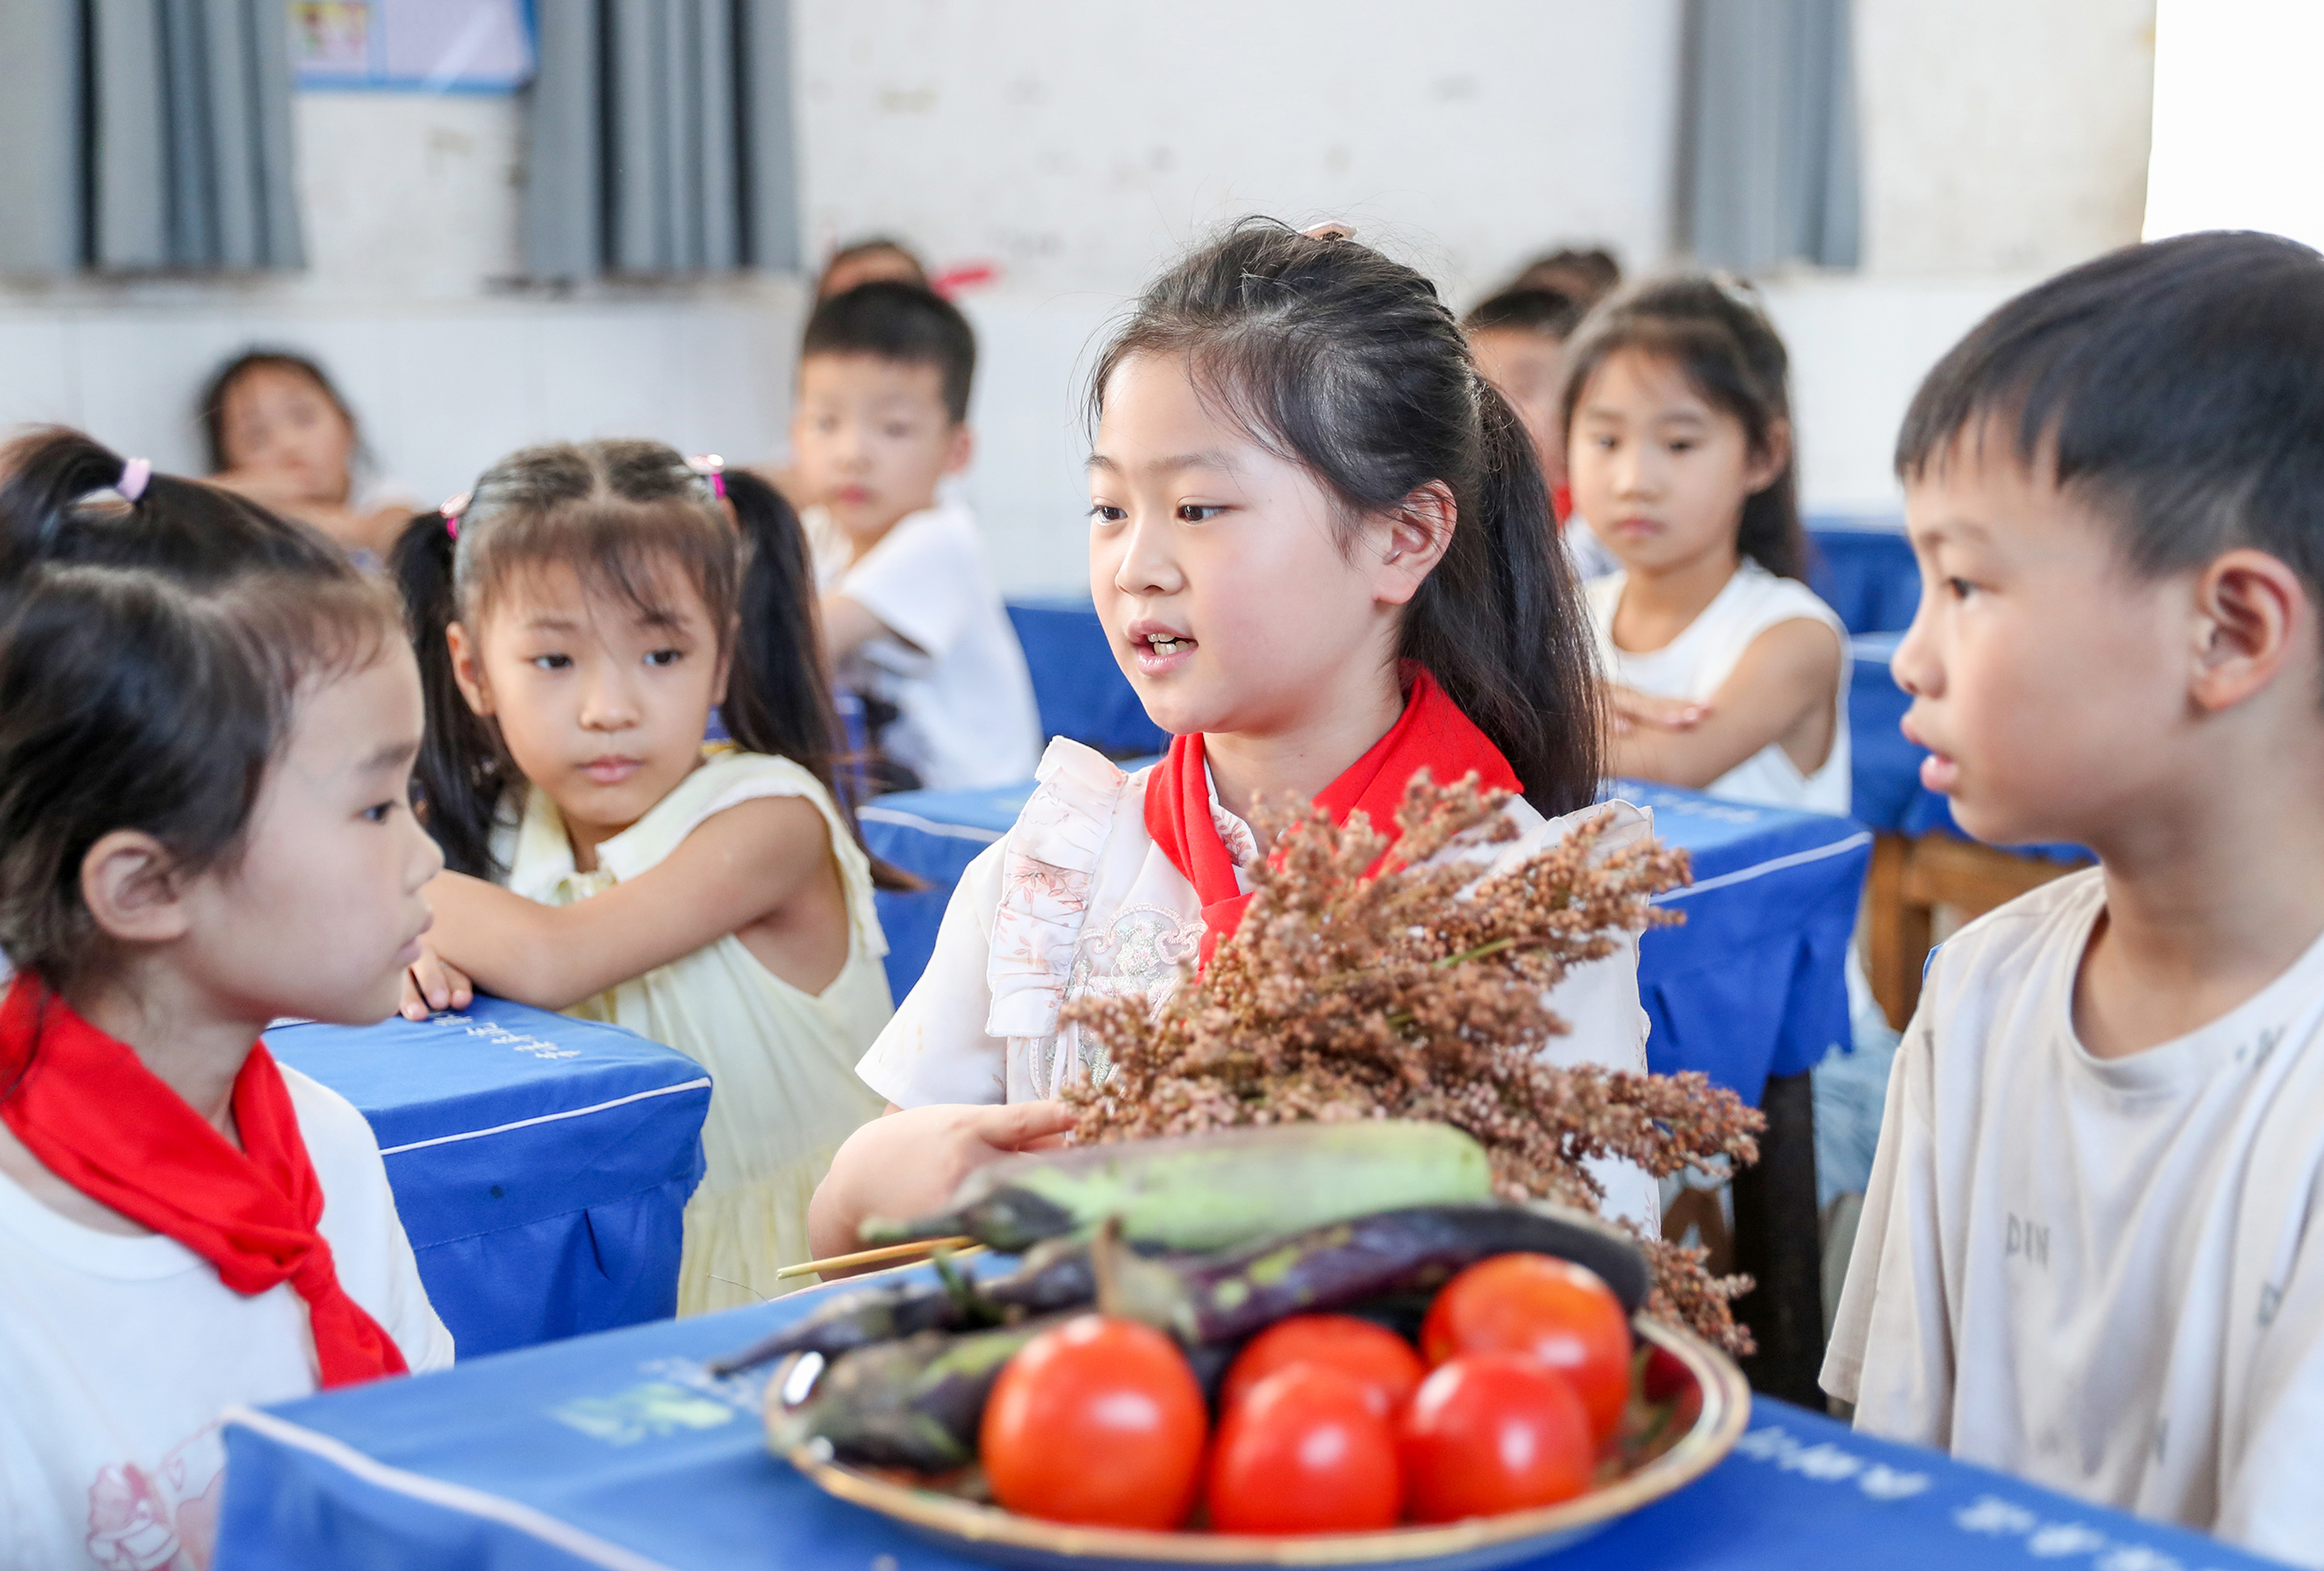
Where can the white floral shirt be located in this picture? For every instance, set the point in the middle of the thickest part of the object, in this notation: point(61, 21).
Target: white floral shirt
point(1078, 900)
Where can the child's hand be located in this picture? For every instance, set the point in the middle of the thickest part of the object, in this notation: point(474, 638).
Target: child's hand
point(1627, 708)
point(907, 1163)
point(434, 983)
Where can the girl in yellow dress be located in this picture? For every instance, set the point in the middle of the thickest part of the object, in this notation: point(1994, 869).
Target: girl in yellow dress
point(577, 618)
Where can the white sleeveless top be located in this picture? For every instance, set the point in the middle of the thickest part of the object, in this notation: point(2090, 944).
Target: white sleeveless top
point(1077, 900)
point(1698, 662)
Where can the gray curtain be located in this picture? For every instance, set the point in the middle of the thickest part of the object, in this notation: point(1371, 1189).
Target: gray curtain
point(146, 134)
point(661, 139)
point(1768, 157)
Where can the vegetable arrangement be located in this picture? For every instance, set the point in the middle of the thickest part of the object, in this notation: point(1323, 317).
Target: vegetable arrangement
point(1229, 1330)
point(1416, 990)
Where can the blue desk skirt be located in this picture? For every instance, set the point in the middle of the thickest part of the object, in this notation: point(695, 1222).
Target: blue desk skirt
point(620, 1451)
point(1753, 985)
point(539, 1164)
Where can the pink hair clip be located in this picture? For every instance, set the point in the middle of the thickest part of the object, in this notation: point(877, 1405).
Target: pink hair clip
point(135, 475)
point(451, 511)
point(712, 468)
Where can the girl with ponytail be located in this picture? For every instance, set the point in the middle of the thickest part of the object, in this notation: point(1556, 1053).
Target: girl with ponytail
point(578, 617)
point(1322, 546)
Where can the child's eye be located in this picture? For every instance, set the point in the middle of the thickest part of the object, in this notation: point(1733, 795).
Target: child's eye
point(1683, 445)
point(1196, 512)
point(665, 656)
point(379, 812)
point(553, 662)
point(1106, 512)
point(1960, 588)
point(899, 433)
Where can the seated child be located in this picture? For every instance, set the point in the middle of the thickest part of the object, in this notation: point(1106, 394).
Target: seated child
point(1323, 549)
point(1724, 672)
point(280, 434)
point(595, 604)
point(2085, 1257)
point(911, 618)
point(1518, 338)
point(203, 825)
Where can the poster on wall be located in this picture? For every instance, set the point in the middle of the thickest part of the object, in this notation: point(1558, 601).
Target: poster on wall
point(424, 46)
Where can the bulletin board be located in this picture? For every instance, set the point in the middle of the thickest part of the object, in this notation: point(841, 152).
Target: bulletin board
point(419, 46)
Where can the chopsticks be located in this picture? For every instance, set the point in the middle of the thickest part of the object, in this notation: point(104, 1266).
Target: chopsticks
point(959, 1245)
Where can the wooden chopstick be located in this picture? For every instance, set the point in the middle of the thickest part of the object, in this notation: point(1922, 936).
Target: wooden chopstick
point(959, 1245)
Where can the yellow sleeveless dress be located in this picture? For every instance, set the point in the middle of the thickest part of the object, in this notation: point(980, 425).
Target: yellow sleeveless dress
point(784, 1091)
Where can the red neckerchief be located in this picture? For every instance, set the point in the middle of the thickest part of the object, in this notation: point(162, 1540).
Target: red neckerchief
point(99, 1118)
point(1431, 734)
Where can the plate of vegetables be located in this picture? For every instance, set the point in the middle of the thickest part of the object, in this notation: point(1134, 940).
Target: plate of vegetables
point(1321, 1345)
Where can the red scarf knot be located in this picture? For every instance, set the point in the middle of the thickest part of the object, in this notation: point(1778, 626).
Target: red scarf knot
point(89, 1109)
point(1431, 734)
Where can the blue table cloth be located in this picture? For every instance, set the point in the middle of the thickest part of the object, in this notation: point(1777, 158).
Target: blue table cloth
point(620, 1451)
point(1077, 685)
point(1863, 568)
point(1753, 985)
point(1887, 768)
point(539, 1164)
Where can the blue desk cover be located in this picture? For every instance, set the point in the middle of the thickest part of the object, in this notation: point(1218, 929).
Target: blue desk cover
point(539, 1164)
point(619, 1451)
point(1753, 985)
point(1886, 768)
point(1863, 568)
point(1077, 686)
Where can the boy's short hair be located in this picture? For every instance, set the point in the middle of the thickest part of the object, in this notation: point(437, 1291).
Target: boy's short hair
point(2177, 386)
point(903, 323)
point(1546, 313)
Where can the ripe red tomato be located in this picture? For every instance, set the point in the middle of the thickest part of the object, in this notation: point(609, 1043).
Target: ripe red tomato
point(1097, 1420)
point(1376, 1358)
point(1492, 1432)
point(1551, 1309)
point(1305, 1451)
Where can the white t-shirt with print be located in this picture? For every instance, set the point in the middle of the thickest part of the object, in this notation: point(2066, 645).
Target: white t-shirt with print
point(118, 1355)
point(2097, 1273)
point(1698, 662)
point(1077, 899)
point(954, 669)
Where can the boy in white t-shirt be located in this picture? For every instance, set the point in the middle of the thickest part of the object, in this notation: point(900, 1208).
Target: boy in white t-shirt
point(2085, 1254)
point(911, 617)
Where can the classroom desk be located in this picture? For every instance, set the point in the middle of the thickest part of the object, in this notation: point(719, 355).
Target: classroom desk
point(620, 1451)
point(539, 1164)
point(1920, 859)
point(1751, 990)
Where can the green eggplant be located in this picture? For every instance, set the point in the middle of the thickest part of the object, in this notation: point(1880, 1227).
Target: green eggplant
point(1210, 1191)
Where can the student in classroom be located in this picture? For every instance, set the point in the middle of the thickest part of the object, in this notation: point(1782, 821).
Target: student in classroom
point(207, 719)
point(2089, 1255)
point(1321, 546)
point(1723, 671)
point(1518, 338)
point(579, 617)
point(912, 619)
point(280, 434)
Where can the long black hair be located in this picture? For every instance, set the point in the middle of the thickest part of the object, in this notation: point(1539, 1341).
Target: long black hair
point(1349, 365)
point(615, 511)
point(1722, 342)
point(151, 653)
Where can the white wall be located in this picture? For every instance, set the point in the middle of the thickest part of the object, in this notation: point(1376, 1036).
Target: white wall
point(1078, 147)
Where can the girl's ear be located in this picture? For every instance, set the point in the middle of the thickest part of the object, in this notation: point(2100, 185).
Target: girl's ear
point(1411, 541)
point(1769, 458)
point(468, 667)
point(129, 882)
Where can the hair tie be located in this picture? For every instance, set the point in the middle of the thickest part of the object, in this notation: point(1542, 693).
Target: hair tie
point(451, 511)
point(712, 468)
point(135, 475)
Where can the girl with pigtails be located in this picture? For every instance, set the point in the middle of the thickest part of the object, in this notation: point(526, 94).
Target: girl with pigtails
point(578, 617)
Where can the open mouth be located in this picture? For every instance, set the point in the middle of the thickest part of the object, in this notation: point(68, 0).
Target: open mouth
point(1160, 649)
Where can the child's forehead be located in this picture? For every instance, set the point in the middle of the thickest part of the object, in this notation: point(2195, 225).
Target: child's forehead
point(650, 588)
point(860, 375)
